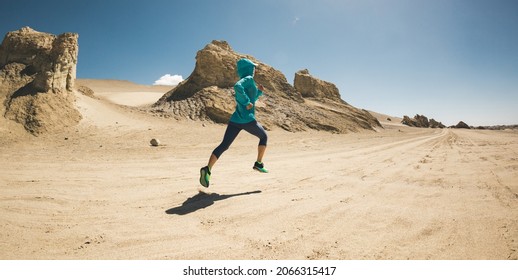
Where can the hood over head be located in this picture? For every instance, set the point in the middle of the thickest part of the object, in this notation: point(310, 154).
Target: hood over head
point(245, 67)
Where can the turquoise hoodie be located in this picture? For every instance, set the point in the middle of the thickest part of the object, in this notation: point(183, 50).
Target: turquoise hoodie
point(246, 92)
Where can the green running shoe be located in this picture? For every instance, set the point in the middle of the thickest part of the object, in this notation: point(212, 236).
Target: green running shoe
point(259, 166)
point(205, 176)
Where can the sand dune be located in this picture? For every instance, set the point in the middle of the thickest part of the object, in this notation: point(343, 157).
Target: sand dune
point(125, 92)
point(100, 191)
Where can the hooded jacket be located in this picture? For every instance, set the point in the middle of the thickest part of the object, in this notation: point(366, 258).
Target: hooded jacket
point(246, 92)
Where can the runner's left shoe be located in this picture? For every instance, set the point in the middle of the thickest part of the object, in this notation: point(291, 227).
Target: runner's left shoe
point(205, 176)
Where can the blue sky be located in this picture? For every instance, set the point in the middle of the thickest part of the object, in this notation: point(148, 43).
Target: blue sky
point(450, 60)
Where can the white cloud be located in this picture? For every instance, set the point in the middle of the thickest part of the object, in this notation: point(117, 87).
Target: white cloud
point(168, 80)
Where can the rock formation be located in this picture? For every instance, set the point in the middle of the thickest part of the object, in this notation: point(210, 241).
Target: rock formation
point(309, 86)
point(207, 94)
point(37, 74)
point(436, 124)
point(461, 124)
point(421, 121)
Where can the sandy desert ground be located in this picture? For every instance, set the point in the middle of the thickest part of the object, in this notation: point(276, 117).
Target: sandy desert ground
point(100, 191)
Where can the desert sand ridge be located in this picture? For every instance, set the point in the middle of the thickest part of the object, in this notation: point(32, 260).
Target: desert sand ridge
point(124, 92)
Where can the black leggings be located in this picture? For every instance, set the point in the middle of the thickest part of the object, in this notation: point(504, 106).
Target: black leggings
point(233, 130)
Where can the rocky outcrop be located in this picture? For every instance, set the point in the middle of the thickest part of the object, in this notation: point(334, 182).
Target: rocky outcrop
point(37, 74)
point(462, 124)
point(417, 121)
point(309, 86)
point(421, 121)
point(216, 66)
point(207, 94)
point(436, 124)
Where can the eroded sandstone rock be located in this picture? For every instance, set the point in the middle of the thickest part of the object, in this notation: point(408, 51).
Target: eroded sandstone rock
point(310, 86)
point(37, 74)
point(207, 94)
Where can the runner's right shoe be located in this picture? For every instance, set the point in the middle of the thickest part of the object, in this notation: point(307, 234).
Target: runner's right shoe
point(259, 166)
point(205, 176)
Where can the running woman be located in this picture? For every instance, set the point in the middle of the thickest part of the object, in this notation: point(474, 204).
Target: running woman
point(247, 91)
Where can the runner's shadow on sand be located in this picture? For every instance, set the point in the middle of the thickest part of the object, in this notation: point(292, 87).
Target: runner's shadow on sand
point(202, 200)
